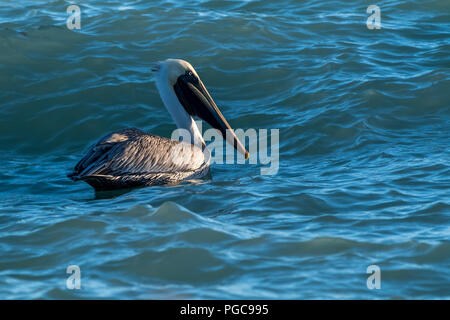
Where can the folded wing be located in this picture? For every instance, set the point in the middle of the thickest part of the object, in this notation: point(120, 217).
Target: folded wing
point(131, 157)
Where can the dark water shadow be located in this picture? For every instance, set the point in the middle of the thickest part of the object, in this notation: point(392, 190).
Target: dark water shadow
point(112, 194)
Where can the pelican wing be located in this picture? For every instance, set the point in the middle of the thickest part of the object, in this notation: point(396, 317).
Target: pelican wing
point(133, 156)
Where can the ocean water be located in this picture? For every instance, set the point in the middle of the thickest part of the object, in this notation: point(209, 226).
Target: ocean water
point(364, 159)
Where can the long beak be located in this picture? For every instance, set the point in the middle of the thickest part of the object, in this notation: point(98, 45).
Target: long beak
point(198, 102)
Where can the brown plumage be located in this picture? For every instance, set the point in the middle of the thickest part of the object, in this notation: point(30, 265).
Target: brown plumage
point(131, 158)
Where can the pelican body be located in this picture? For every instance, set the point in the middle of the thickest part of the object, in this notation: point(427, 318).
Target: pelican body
point(131, 158)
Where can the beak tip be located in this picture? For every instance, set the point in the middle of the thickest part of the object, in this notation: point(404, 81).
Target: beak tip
point(247, 155)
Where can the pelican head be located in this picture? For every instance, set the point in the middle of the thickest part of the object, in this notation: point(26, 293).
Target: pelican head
point(185, 96)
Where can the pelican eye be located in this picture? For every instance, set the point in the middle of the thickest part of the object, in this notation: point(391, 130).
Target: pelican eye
point(191, 76)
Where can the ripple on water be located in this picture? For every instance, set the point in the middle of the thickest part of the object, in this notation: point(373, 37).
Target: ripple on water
point(363, 117)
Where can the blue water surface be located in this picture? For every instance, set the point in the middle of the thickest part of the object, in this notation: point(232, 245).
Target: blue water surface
point(364, 160)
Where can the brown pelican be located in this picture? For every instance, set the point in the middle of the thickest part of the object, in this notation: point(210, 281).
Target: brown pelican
point(131, 157)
